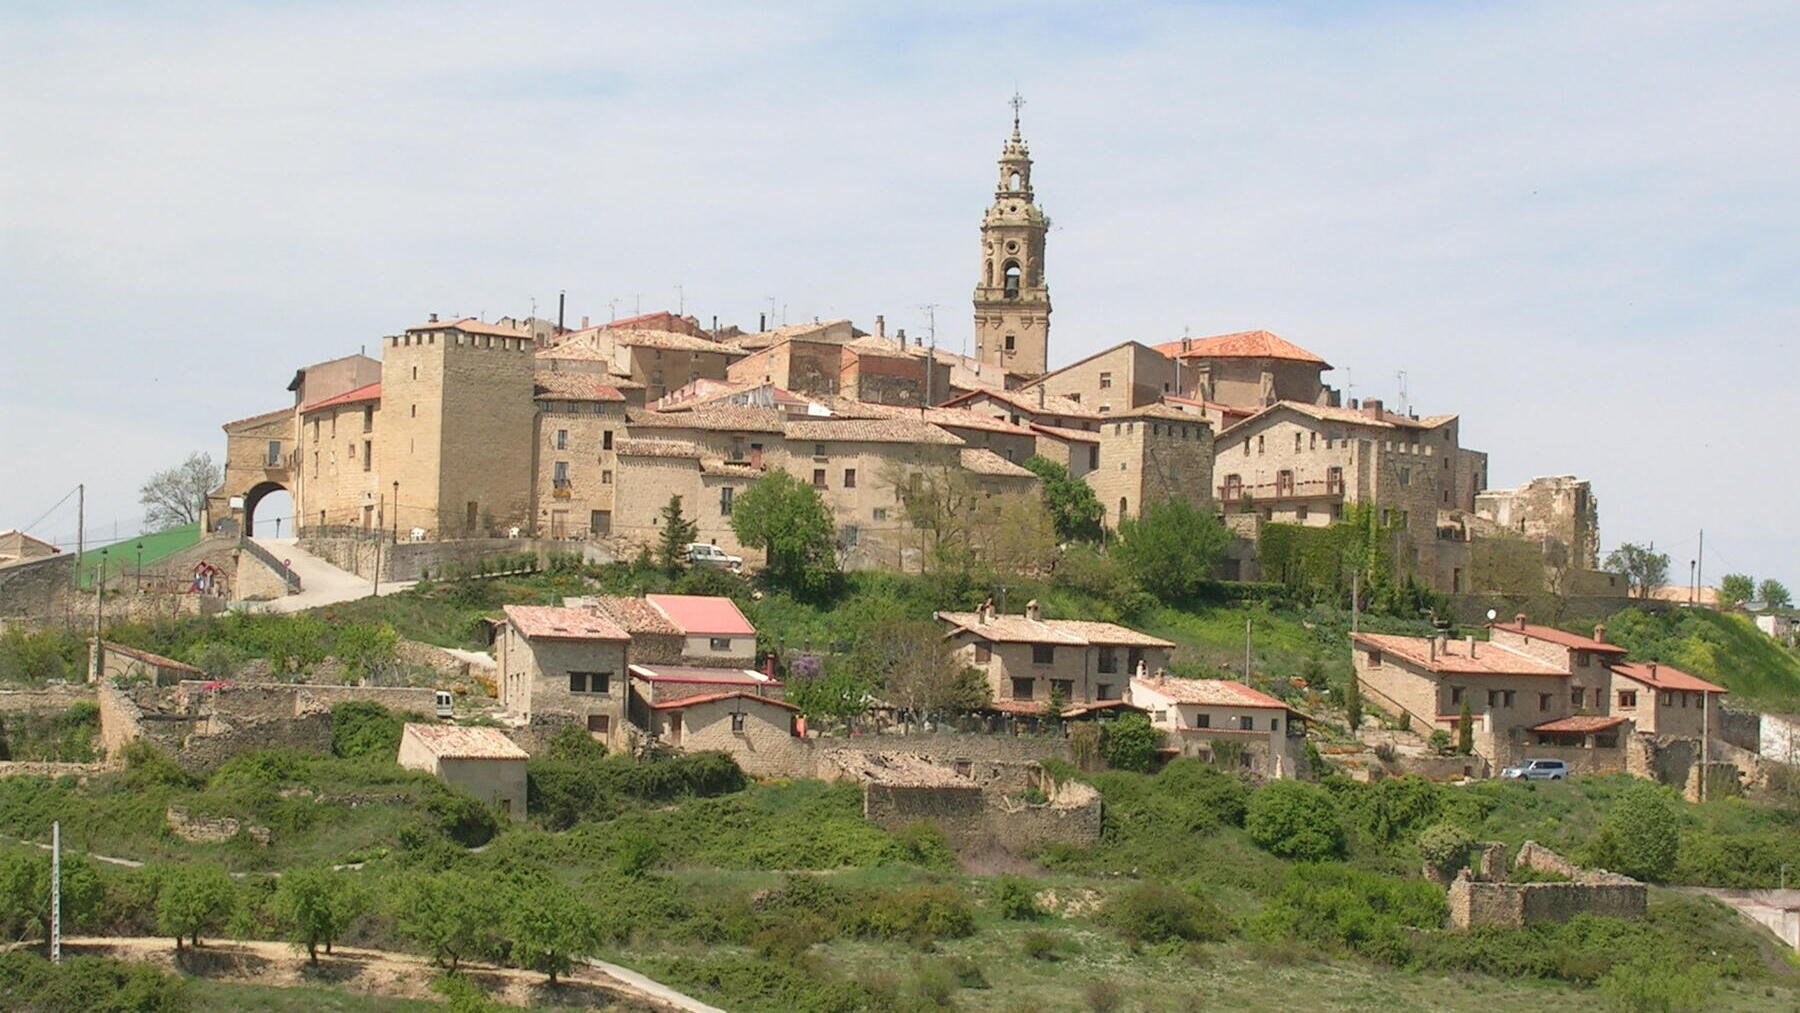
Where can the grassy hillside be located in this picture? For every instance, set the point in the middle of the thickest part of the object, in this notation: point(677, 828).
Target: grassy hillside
point(1723, 647)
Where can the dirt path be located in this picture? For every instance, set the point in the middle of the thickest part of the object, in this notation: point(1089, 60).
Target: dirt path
point(399, 975)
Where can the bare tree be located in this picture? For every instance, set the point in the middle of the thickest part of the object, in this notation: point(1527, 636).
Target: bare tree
point(917, 669)
point(176, 496)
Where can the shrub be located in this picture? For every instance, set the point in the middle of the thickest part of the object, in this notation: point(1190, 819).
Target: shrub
point(921, 842)
point(1015, 899)
point(29, 982)
point(1439, 741)
point(1649, 985)
point(1294, 819)
point(193, 898)
point(1130, 743)
point(1150, 912)
point(1445, 847)
point(919, 915)
point(363, 729)
point(1040, 945)
point(573, 744)
point(1103, 996)
point(1363, 912)
point(313, 906)
point(1640, 835)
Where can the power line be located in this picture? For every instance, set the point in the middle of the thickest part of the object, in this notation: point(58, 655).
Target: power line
point(53, 509)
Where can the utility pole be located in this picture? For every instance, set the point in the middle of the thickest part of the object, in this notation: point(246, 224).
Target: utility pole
point(1705, 745)
point(931, 356)
point(56, 892)
point(94, 655)
point(1246, 650)
point(80, 531)
point(680, 300)
point(1700, 566)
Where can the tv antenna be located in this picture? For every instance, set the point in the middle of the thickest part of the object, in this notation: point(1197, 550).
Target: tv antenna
point(1405, 406)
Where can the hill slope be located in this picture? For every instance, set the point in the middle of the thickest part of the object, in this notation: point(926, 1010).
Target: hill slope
point(1723, 647)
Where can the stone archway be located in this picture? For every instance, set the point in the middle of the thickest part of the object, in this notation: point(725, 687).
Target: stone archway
point(253, 498)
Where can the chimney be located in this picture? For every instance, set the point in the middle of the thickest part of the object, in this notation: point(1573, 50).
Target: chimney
point(1600, 632)
point(762, 321)
point(561, 300)
point(1032, 612)
point(880, 326)
point(1372, 407)
point(1471, 645)
point(1434, 650)
point(433, 319)
point(1040, 390)
point(1653, 671)
point(584, 321)
point(1186, 343)
point(1519, 619)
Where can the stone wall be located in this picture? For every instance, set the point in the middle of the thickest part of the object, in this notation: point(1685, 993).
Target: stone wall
point(948, 747)
point(977, 808)
point(411, 560)
point(49, 768)
point(49, 698)
point(211, 829)
point(1739, 727)
point(121, 720)
point(272, 701)
point(35, 590)
point(203, 752)
point(959, 811)
point(1478, 899)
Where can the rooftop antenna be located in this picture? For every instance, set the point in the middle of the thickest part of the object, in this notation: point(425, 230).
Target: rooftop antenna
point(680, 301)
point(1405, 405)
point(1350, 382)
point(931, 356)
point(637, 304)
point(771, 310)
point(612, 309)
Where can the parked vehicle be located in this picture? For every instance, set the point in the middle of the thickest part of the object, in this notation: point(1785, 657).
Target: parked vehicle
point(704, 554)
point(1537, 770)
point(445, 704)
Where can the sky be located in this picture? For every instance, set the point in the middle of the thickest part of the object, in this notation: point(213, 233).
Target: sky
point(1575, 224)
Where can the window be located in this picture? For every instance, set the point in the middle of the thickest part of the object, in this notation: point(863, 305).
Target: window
point(560, 476)
point(1021, 689)
point(1578, 696)
point(1161, 717)
point(1543, 701)
point(1375, 662)
point(1104, 691)
point(599, 724)
point(737, 721)
point(1493, 698)
point(1668, 698)
point(1334, 480)
point(719, 643)
point(1300, 512)
point(1010, 341)
point(274, 453)
point(1011, 290)
point(1296, 441)
point(1203, 721)
point(606, 440)
point(1043, 654)
point(590, 682)
point(1274, 724)
point(415, 410)
point(1259, 443)
point(1246, 723)
point(1108, 661)
point(1628, 698)
point(849, 478)
point(1063, 687)
point(368, 453)
point(818, 450)
point(1093, 458)
point(606, 476)
point(964, 768)
point(1405, 476)
point(1105, 380)
point(368, 418)
point(600, 522)
point(818, 478)
point(1456, 696)
point(880, 513)
point(984, 652)
point(1581, 659)
point(725, 495)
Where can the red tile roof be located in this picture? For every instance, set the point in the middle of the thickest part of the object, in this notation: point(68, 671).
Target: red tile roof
point(1209, 692)
point(470, 325)
point(635, 615)
point(701, 674)
point(1580, 723)
point(706, 615)
point(367, 392)
point(1659, 676)
point(547, 622)
point(1556, 636)
point(453, 742)
point(1240, 345)
point(1489, 658)
point(1020, 629)
point(689, 701)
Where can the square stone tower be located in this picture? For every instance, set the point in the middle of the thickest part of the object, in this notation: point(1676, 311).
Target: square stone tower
point(1012, 300)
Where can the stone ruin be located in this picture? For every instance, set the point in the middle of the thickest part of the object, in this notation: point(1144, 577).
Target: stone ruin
point(1013, 806)
point(1481, 893)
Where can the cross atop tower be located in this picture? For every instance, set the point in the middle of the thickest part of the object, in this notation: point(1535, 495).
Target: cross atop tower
point(1017, 102)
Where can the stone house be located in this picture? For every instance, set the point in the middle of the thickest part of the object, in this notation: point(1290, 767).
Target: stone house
point(1247, 369)
point(762, 733)
point(658, 360)
point(1028, 659)
point(580, 422)
point(480, 761)
point(564, 664)
point(335, 468)
point(1149, 455)
point(656, 683)
point(1214, 718)
point(714, 629)
point(16, 545)
point(1128, 375)
point(1534, 691)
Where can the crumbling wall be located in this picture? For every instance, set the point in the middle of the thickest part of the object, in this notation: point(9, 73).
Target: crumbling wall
point(1477, 899)
point(958, 810)
point(211, 829)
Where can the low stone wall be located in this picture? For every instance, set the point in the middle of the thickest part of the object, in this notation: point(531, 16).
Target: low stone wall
point(201, 753)
point(212, 829)
point(952, 746)
point(977, 812)
point(411, 560)
point(121, 719)
point(49, 698)
point(36, 591)
point(48, 768)
point(1581, 760)
point(1441, 768)
point(272, 700)
point(1475, 899)
point(958, 810)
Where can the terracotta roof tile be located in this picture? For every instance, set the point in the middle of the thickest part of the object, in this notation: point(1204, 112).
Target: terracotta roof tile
point(982, 461)
point(635, 616)
point(1073, 632)
point(1580, 723)
point(1065, 433)
point(454, 742)
point(703, 614)
point(548, 622)
point(273, 416)
point(1556, 636)
point(1209, 692)
point(367, 392)
point(659, 448)
point(1489, 659)
point(702, 675)
point(1659, 676)
point(690, 701)
point(1240, 345)
point(715, 418)
point(553, 386)
point(895, 430)
point(470, 325)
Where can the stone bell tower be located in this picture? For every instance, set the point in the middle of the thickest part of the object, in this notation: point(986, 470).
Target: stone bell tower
point(1012, 302)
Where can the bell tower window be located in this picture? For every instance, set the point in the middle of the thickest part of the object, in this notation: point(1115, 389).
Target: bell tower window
point(1012, 181)
point(1012, 279)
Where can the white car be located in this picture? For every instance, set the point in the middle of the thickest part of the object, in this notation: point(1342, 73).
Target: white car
point(1537, 770)
point(703, 554)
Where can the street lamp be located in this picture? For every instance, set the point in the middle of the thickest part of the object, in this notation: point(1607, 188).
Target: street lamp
point(396, 510)
point(140, 567)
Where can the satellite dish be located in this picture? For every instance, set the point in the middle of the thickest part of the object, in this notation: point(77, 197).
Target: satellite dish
point(1492, 615)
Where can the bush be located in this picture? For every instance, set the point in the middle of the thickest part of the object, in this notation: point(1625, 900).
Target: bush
point(918, 915)
point(1130, 742)
point(1640, 836)
point(573, 744)
point(1015, 899)
point(1150, 912)
point(1445, 847)
point(1294, 819)
point(1346, 908)
point(362, 729)
point(1648, 985)
point(1043, 945)
point(28, 982)
point(564, 792)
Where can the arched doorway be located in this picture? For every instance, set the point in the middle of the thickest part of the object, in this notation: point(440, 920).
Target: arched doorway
point(270, 503)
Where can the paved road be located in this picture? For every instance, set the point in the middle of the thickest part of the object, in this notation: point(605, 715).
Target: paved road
point(321, 583)
point(1772, 909)
point(652, 988)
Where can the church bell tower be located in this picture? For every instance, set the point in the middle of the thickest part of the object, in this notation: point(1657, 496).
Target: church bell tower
point(1012, 302)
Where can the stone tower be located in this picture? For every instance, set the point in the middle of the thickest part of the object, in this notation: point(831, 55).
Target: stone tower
point(1012, 302)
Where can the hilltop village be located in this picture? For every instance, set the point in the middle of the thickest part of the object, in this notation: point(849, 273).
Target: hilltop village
point(659, 664)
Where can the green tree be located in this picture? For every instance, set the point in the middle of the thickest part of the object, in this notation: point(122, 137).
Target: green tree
point(1074, 508)
point(1643, 569)
point(789, 520)
point(192, 898)
point(1353, 704)
point(1465, 729)
point(1130, 742)
point(839, 692)
point(313, 906)
point(1774, 594)
point(25, 892)
point(1172, 547)
point(450, 915)
point(1736, 589)
point(360, 728)
point(1295, 820)
point(548, 925)
point(1640, 835)
point(677, 533)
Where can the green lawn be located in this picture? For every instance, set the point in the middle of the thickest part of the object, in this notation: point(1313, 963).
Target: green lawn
point(122, 557)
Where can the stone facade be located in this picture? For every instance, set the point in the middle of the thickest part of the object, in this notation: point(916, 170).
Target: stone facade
point(899, 791)
point(757, 732)
point(1559, 513)
point(578, 466)
point(1487, 899)
point(540, 675)
point(1149, 455)
point(1027, 659)
point(1126, 376)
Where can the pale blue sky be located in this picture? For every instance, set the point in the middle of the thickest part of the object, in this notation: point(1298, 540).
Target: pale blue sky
point(1576, 224)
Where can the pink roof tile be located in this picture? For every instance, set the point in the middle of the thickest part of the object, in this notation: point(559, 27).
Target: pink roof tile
point(706, 615)
point(1209, 692)
point(1454, 658)
point(1659, 676)
point(1580, 723)
point(1556, 636)
point(547, 622)
point(1240, 345)
point(454, 742)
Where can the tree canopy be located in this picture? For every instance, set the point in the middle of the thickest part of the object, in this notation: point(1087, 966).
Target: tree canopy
point(1074, 509)
point(1774, 593)
point(176, 496)
point(677, 532)
point(1643, 569)
point(1172, 547)
point(1736, 589)
point(789, 521)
